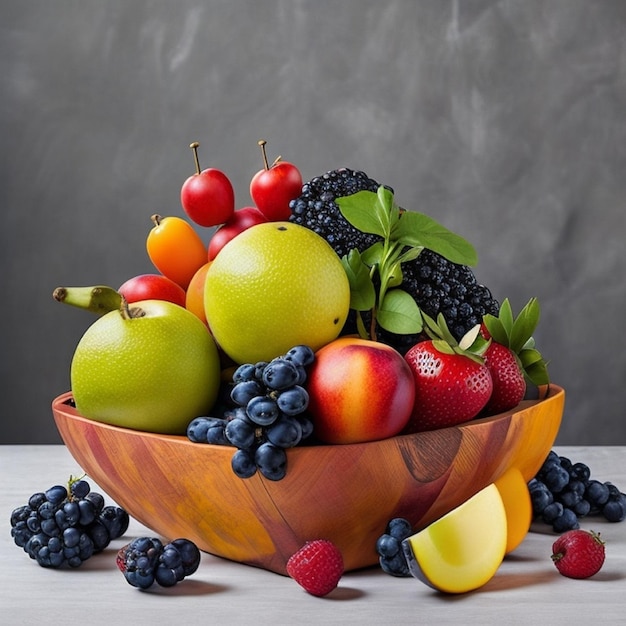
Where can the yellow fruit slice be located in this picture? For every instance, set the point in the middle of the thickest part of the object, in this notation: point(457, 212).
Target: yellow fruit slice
point(515, 496)
point(462, 550)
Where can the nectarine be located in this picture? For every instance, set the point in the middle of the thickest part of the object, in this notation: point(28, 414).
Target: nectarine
point(359, 390)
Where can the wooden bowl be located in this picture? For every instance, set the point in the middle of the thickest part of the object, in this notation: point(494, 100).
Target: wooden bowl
point(345, 493)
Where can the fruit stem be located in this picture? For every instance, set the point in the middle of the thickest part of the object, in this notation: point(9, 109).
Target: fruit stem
point(156, 219)
point(262, 143)
point(194, 146)
point(129, 313)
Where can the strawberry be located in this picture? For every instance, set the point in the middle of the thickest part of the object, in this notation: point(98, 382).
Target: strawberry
point(452, 382)
point(316, 567)
point(578, 553)
point(511, 357)
point(509, 384)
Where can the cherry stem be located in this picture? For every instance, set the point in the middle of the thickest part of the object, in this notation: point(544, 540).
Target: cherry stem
point(262, 143)
point(194, 146)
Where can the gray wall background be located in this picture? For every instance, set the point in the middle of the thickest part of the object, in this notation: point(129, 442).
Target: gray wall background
point(504, 120)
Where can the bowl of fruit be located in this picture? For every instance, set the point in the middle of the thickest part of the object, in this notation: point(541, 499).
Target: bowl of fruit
point(328, 363)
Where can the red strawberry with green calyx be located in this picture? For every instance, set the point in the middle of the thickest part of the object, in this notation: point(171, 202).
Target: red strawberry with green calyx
point(512, 357)
point(452, 382)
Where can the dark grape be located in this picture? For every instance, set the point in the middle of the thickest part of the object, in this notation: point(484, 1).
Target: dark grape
point(66, 526)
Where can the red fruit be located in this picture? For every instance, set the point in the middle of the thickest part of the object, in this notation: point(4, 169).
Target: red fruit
point(274, 187)
point(237, 223)
point(578, 553)
point(509, 384)
point(152, 287)
point(207, 196)
point(317, 567)
point(449, 388)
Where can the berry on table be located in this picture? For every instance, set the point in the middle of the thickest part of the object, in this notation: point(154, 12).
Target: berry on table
point(578, 553)
point(146, 560)
point(389, 547)
point(65, 526)
point(317, 567)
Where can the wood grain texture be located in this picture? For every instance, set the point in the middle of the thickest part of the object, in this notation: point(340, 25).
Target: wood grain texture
point(343, 493)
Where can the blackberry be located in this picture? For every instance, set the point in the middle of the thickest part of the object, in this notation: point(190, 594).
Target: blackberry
point(316, 209)
point(436, 284)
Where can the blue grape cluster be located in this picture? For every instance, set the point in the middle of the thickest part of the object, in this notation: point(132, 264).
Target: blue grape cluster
point(267, 416)
point(146, 560)
point(562, 492)
point(65, 526)
point(389, 547)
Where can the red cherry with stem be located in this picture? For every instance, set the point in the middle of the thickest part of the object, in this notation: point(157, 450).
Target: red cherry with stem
point(207, 196)
point(273, 187)
point(238, 222)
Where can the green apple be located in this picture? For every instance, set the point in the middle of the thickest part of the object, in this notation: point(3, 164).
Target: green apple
point(152, 366)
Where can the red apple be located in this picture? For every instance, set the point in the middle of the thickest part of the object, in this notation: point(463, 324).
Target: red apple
point(207, 196)
point(240, 221)
point(274, 187)
point(152, 287)
point(359, 390)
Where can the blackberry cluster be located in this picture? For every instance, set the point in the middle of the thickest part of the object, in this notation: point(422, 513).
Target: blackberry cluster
point(436, 284)
point(267, 417)
point(145, 561)
point(316, 209)
point(389, 547)
point(562, 492)
point(61, 527)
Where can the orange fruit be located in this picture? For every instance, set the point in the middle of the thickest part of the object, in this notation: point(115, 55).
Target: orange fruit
point(514, 492)
point(274, 286)
point(156, 372)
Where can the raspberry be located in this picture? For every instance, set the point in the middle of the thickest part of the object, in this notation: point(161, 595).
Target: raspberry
point(316, 567)
point(578, 553)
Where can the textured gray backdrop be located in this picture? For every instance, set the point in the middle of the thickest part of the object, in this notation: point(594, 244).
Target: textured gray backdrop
point(504, 120)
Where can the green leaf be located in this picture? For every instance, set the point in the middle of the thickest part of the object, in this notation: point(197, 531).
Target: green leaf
point(373, 255)
point(505, 316)
point(538, 373)
point(362, 291)
point(366, 213)
point(496, 329)
point(419, 230)
point(398, 313)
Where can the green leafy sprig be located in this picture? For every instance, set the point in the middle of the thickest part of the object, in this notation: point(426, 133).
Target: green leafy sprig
point(375, 274)
point(517, 334)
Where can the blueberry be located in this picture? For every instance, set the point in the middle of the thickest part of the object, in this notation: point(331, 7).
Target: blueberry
point(580, 471)
point(244, 372)
point(551, 512)
point(262, 410)
point(566, 521)
point(293, 401)
point(280, 374)
point(271, 461)
point(387, 546)
point(399, 527)
point(597, 493)
point(243, 464)
point(244, 391)
point(615, 508)
point(395, 565)
point(556, 478)
point(240, 433)
point(56, 494)
point(301, 355)
point(540, 496)
point(80, 488)
point(285, 432)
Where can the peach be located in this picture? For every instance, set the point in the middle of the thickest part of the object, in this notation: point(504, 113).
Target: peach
point(359, 390)
point(194, 300)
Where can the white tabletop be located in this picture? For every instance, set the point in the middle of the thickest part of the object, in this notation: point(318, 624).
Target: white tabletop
point(526, 590)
